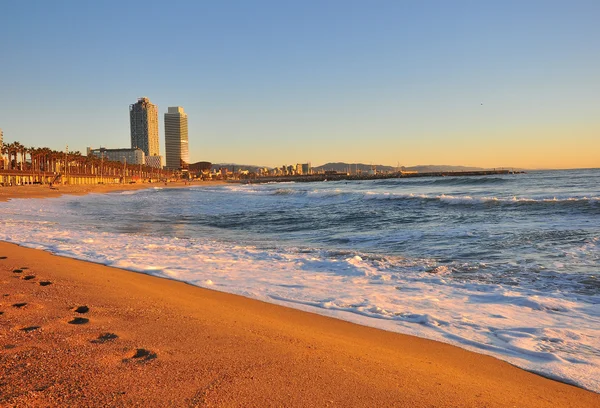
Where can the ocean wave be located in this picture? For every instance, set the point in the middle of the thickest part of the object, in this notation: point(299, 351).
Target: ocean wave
point(285, 191)
point(447, 181)
point(315, 193)
point(473, 200)
point(587, 203)
point(442, 198)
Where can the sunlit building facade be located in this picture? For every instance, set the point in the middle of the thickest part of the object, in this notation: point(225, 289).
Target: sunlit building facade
point(176, 139)
point(143, 116)
point(126, 156)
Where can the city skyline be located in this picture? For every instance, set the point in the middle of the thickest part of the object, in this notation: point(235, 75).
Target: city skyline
point(512, 84)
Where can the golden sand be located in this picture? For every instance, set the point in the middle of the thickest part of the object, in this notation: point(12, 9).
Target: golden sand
point(43, 191)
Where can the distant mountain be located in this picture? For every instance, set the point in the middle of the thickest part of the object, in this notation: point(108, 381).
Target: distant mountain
point(430, 168)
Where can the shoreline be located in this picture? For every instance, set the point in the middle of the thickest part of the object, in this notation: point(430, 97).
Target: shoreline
point(345, 351)
point(175, 340)
point(43, 191)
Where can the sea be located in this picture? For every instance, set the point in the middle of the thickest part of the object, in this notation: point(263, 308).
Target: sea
point(504, 265)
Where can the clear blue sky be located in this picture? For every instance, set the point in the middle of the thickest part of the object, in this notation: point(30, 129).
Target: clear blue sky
point(485, 83)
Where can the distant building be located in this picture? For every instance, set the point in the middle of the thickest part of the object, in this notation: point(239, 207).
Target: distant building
point(303, 169)
point(1, 137)
point(128, 156)
point(154, 161)
point(176, 139)
point(143, 116)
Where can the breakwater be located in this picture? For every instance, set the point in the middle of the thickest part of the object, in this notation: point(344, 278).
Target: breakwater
point(340, 176)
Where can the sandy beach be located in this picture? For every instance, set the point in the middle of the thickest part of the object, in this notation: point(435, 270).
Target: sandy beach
point(74, 333)
point(43, 191)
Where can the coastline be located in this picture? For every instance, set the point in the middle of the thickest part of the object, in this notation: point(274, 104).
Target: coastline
point(43, 191)
point(216, 349)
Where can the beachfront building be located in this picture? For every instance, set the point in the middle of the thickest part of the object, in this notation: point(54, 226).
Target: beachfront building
point(176, 139)
point(154, 161)
point(126, 156)
point(143, 116)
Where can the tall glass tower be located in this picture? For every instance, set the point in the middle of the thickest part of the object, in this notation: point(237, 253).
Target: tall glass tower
point(176, 139)
point(143, 116)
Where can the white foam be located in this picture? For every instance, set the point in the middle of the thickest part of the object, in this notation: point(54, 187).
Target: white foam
point(467, 199)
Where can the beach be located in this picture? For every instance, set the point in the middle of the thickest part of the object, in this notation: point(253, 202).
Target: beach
point(44, 191)
point(75, 333)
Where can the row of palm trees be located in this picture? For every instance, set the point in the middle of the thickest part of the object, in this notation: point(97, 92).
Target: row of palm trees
point(16, 158)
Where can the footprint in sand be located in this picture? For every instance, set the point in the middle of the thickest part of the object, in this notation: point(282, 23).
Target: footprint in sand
point(28, 277)
point(81, 309)
point(45, 283)
point(17, 270)
point(30, 328)
point(79, 320)
point(103, 338)
point(141, 355)
point(19, 305)
point(2, 257)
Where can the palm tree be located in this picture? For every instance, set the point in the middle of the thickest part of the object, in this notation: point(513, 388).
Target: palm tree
point(3, 151)
point(13, 149)
point(18, 152)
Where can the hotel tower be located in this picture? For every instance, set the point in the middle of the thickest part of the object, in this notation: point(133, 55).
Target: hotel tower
point(143, 117)
point(176, 139)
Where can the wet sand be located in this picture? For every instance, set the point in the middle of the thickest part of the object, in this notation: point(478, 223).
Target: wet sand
point(74, 333)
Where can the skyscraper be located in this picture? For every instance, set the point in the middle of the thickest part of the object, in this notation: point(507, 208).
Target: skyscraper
point(143, 116)
point(176, 138)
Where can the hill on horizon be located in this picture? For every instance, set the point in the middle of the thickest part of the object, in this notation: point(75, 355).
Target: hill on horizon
point(429, 168)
